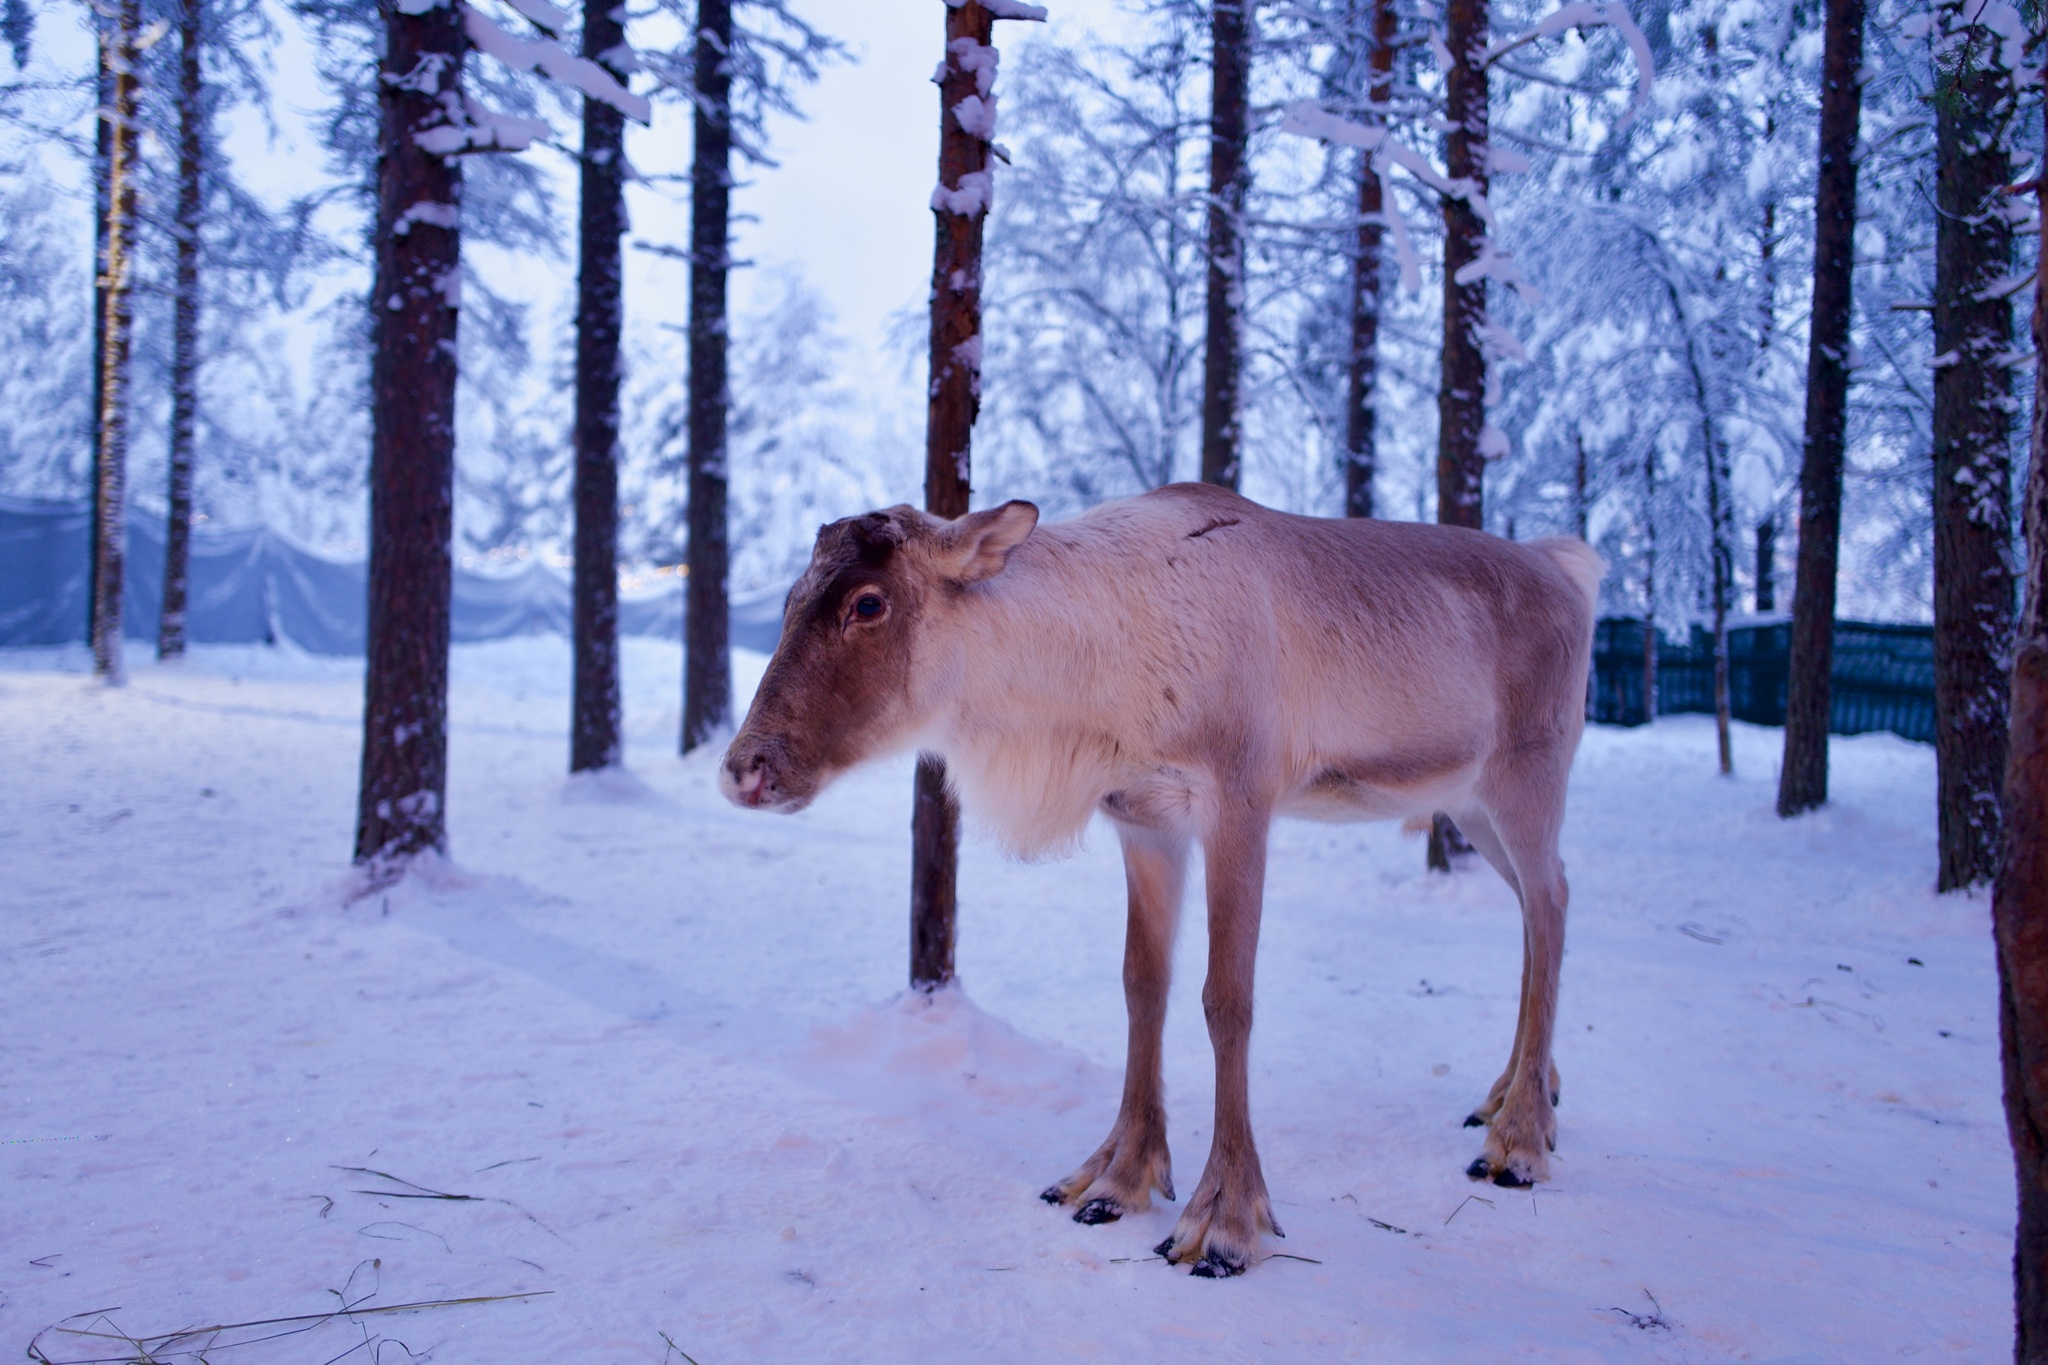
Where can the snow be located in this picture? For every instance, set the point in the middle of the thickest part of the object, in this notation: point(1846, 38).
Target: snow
point(544, 15)
point(660, 1044)
point(547, 57)
point(1584, 14)
point(427, 211)
point(977, 116)
point(978, 60)
point(971, 198)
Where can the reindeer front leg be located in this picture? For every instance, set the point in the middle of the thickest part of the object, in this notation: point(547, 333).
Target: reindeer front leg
point(1133, 1161)
point(1220, 1230)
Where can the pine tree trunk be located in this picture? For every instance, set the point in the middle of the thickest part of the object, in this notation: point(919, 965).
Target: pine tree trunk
point(110, 483)
point(1767, 565)
point(1973, 587)
point(102, 219)
point(415, 306)
point(170, 637)
point(1581, 508)
point(707, 621)
point(1367, 279)
point(1803, 780)
point(1461, 398)
point(1230, 38)
point(594, 726)
point(1650, 588)
point(2019, 904)
point(958, 214)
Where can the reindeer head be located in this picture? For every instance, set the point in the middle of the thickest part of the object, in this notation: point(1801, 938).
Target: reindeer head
point(849, 679)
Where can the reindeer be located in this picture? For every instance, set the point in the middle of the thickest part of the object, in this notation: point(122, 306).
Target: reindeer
point(1192, 664)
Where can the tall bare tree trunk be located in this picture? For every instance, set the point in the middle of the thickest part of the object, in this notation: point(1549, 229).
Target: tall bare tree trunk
point(1973, 582)
point(959, 206)
point(1367, 280)
point(170, 636)
point(594, 724)
point(1230, 46)
point(102, 219)
point(1461, 396)
point(415, 306)
point(1650, 587)
point(117, 284)
point(2019, 904)
point(1767, 564)
point(1809, 694)
point(707, 618)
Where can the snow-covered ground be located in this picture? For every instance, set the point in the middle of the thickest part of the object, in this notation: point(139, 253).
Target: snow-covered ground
point(659, 1045)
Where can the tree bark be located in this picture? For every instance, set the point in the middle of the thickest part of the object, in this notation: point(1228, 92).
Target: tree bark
point(1803, 779)
point(594, 727)
point(415, 306)
point(2019, 903)
point(117, 284)
point(1973, 585)
point(1367, 280)
point(707, 654)
point(959, 208)
point(1767, 565)
point(1230, 45)
point(1461, 396)
point(1650, 587)
point(170, 637)
point(102, 219)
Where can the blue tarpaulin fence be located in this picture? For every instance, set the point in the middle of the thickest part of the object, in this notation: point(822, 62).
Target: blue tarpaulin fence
point(254, 587)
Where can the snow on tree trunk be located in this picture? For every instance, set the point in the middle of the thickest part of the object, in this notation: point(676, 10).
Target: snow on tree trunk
point(959, 209)
point(707, 655)
point(594, 740)
point(1230, 39)
point(170, 639)
point(1803, 779)
point(1367, 272)
point(117, 282)
point(2019, 904)
point(415, 305)
point(1461, 395)
point(1973, 584)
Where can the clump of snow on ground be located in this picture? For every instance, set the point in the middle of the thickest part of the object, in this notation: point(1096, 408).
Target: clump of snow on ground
point(661, 1049)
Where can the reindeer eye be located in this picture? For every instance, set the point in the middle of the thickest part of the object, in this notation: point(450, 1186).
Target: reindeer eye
point(868, 607)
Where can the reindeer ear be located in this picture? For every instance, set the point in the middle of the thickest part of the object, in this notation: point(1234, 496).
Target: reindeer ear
point(978, 545)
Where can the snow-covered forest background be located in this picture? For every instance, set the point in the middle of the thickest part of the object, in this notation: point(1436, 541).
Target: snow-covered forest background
point(1640, 243)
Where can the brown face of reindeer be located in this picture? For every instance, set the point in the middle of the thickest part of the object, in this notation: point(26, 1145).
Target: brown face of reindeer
point(840, 687)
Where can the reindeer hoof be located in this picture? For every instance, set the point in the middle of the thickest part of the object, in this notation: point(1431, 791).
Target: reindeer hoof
point(1052, 1194)
point(1097, 1211)
point(1474, 1121)
point(1215, 1267)
point(1508, 1180)
point(1165, 1248)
